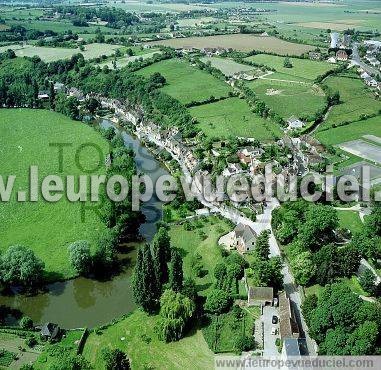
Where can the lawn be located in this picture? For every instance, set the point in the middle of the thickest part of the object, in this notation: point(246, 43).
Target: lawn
point(185, 82)
point(289, 98)
point(356, 100)
point(303, 68)
point(144, 348)
point(352, 131)
point(123, 61)
point(242, 42)
point(47, 228)
point(350, 220)
point(201, 241)
point(50, 54)
point(233, 117)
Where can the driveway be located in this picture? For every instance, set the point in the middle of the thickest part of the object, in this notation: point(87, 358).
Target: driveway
point(270, 349)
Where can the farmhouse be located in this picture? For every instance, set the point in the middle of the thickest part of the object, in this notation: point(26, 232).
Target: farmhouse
point(260, 296)
point(294, 123)
point(50, 331)
point(246, 155)
point(244, 238)
point(232, 169)
point(341, 55)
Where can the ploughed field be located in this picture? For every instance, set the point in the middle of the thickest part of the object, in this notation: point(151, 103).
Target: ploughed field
point(47, 228)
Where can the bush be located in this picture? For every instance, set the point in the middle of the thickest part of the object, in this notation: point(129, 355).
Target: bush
point(244, 343)
point(31, 341)
point(26, 323)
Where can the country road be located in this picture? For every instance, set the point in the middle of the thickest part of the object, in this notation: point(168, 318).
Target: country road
point(357, 60)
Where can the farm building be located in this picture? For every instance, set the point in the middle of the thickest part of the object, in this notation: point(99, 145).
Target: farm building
point(294, 123)
point(244, 238)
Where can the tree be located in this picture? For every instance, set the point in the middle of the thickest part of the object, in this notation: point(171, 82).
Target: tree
point(26, 323)
point(218, 301)
point(80, 257)
point(262, 246)
point(303, 268)
point(309, 304)
point(244, 343)
point(189, 289)
point(349, 260)
point(328, 264)
point(19, 265)
point(52, 95)
point(317, 230)
point(176, 272)
point(92, 105)
point(175, 312)
point(220, 274)
point(161, 246)
point(145, 289)
point(115, 359)
point(287, 63)
point(363, 340)
point(367, 281)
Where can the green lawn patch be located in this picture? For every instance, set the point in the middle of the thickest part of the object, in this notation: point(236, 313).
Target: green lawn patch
point(187, 83)
point(47, 228)
point(302, 68)
point(290, 98)
point(201, 241)
point(350, 220)
point(144, 348)
point(233, 117)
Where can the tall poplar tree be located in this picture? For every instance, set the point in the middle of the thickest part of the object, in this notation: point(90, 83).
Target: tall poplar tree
point(161, 254)
point(176, 271)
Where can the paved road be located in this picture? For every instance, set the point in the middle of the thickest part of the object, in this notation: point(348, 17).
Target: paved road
point(357, 60)
point(270, 349)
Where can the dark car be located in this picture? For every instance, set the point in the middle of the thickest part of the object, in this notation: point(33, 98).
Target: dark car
point(274, 320)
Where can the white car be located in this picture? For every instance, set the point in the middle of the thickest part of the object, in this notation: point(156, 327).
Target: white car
point(274, 331)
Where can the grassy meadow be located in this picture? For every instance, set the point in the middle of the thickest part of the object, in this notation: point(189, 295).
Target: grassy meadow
point(289, 98)
point(233, 116)
point(227, 66)
point(185, 82)
point(144, 349)
point(350, 220)
point(47, 228)
point(304, 69)
point(356, 100)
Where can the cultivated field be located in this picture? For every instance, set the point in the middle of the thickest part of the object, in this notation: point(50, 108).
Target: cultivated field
point(185, 82)
point(232, 117)
point(301, 68)
point(356, 100)
point(227, 66)
point(242, 42)
point(289, 98)
point(331, 25)
point(47, 228)
point(49, 54)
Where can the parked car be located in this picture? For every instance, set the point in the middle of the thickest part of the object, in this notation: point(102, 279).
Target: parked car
point(274, 330)
point(275, 302)
point(274, 320)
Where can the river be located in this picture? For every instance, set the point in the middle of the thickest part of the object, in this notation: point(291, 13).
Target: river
point(83, 302)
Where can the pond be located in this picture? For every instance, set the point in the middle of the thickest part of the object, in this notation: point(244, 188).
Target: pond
point(83, 302)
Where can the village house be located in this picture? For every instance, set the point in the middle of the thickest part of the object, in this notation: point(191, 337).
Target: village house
point(294, 123)
point(246, 154)
point(50, 332)
point(232, 169)
point(244, 238)
point(76, 93)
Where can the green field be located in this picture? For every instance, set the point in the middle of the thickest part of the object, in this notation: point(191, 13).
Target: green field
point(50, 54)
point(144, 348)
point(302, 68)
point(47, 228)
point(191, 243)
point(290, 98)
point(356, 100)
point(232, 117)
point(123, 61)
point(185, 82)
point(355, 130)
